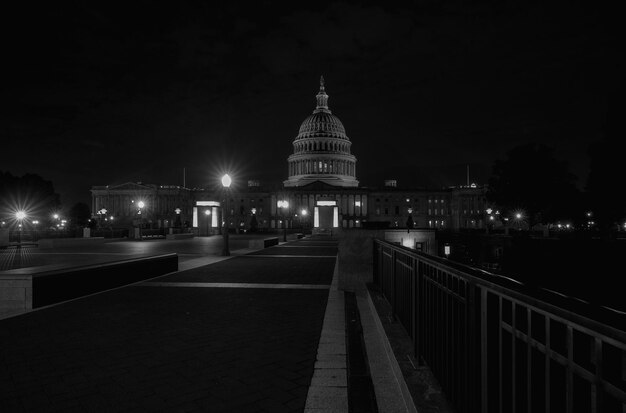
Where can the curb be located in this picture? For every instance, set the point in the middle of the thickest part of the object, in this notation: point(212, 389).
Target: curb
point(392, 393)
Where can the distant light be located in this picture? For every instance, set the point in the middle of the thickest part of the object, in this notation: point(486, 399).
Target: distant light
point(20, 215)
point(141, 204)
point(207, 212)
point(177, 210)
point(304, 212)
point(226, 181)
point(489, 211)
point(35, 222)
point(408, 200)
point(473, 185)
point(518, 215)
point(410, 210)
point(253, 210)
point(589, 213)
point(55, 216)
point(560, 226)
point(111, 218)
point(567, 226)
point(491, 218)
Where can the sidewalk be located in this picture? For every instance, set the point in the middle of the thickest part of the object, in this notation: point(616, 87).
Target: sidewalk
point(260, 332)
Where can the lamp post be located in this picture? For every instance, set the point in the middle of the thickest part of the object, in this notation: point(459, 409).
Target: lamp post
point(283, 205)
point(20, 216)
point(518, 217)
point(36, 236)
point(140, 204)
point(303, 215)
point(226, 181)
point(207, 213)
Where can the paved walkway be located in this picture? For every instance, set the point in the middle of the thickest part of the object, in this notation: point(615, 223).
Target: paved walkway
point(262, 332)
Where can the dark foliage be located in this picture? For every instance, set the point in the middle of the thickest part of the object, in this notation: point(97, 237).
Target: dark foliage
point(30, 193)
point(532, 180)
point(79, 215)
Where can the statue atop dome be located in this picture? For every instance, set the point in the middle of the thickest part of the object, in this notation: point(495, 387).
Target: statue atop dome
point(322, 99)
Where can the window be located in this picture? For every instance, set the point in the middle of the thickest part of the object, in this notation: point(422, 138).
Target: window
point(386, 211)
point(397, 210)
point(378, 211)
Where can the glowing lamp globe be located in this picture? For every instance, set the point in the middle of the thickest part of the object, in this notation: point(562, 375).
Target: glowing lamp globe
point(226, 181)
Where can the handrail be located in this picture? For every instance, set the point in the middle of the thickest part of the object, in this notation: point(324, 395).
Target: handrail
point(496, 344)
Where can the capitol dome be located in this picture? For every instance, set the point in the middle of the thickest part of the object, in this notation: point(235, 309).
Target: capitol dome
point(321, 151)
point(322, 124)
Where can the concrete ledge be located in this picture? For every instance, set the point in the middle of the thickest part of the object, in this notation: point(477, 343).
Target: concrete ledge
point(392, 393)
point(69, 242)
point(263, 243)
point(179, 236)
point(27, 288)
point(292, 237)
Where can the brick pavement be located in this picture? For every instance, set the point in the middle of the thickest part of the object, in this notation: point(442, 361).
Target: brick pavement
point(175, 349)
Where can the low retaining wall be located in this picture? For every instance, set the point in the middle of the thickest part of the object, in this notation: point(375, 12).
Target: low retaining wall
point(291, 237)
point(263, 243)
point(69, 242)
point(179, 236)
point(28, 288)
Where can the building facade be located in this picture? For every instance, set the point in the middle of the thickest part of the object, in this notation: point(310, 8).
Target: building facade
point(321, 192)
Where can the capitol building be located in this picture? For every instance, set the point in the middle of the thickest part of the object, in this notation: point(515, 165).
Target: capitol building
point(321, 192)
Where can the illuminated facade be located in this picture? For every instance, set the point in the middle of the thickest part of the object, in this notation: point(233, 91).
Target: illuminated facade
point(321, 151)
point(321, 193)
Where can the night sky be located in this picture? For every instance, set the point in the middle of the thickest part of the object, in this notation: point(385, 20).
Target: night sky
point(97, 94)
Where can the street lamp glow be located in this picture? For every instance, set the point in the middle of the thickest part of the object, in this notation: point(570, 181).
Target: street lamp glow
point(207, 212)
point(141, 204)
point(226, 181)
point(55, 216)
point(304, 212)
point(20, 215)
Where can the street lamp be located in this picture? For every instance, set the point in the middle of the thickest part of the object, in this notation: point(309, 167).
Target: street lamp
point(226, 181)
point(303, 215)
point(207, 212)
point(283, 205)
point(20, 216)
point(35, 223)
point(140, 204)
point(518, 217)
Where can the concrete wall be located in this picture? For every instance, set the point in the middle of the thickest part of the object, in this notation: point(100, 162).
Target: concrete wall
point(4, 237)
point(16, 292)
point(69, 242)
point(356, 255)
point(408, 238)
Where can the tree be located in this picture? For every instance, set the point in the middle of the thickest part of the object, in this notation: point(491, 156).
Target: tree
point(30, 193)
point(532, 180)
point(79, 215)
point(606, 170)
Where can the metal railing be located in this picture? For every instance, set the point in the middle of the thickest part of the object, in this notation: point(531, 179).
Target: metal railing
point(497, 346)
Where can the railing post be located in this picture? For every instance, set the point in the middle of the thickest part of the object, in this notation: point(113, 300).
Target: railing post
point(484, 390)
point(393, 283)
